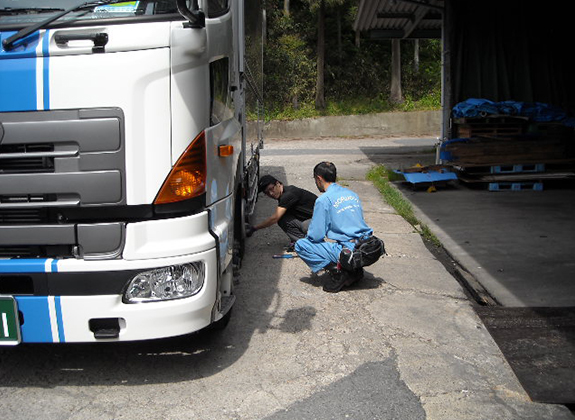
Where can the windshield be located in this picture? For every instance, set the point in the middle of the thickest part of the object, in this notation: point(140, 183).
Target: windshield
point(26, 12)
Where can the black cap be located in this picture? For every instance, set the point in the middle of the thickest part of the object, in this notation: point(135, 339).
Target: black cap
point(265, 181)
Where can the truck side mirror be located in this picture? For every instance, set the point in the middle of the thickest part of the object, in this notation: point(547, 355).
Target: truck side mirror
point(195, 16)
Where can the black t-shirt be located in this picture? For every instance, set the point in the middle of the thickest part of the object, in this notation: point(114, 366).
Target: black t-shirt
point(298, 202)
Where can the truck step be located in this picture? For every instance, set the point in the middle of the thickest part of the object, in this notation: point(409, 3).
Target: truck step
point(227, 303)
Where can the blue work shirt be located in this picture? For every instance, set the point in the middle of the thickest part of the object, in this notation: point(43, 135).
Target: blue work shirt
point(338, 215)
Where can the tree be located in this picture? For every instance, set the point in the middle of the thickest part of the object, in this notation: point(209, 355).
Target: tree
point(320, 7)
point(320, 83)
point(396, 96)
point(313, 58)
point(416, 56)
point(289, 71)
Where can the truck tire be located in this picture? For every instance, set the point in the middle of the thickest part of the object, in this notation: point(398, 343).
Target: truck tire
point(239, 227)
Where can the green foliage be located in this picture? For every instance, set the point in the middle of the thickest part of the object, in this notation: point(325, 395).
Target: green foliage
point(355, 106)
point(289, 67)
point(357, 80)
point(429, 102)
point(379, 175)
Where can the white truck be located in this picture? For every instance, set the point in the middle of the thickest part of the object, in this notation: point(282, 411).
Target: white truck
point(127, 169)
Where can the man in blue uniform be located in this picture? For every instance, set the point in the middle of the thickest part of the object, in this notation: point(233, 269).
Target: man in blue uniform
point(338, 216)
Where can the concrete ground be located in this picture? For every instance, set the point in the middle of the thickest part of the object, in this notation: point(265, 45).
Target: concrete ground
point(518, 245)
point(434, 349)
point(405, 343)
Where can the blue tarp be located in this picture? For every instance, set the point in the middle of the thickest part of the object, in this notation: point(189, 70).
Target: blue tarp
point(536, 111)
point(444, 154)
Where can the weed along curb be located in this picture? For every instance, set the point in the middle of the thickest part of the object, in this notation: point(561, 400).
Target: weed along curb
point(382, 179)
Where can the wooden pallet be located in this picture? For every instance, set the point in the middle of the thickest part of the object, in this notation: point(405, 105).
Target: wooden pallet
point(515, 186)
point(488, 130)
point(490, 152)
point(489, 127)
point(531, 179)
point(517, 168)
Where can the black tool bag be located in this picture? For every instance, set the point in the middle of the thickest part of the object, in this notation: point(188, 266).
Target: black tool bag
point(367, 251)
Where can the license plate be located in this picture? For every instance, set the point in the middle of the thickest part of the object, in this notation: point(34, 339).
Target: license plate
point(9, 322)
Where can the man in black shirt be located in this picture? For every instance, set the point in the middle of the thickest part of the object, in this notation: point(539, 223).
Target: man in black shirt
point(294, 211)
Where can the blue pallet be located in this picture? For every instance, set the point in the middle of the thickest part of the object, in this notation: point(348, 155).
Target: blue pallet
point(515, 186)
point(428, 176)
point(518, 168)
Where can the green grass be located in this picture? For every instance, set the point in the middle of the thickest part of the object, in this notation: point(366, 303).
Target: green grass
point(382, 178)
point(356, 106)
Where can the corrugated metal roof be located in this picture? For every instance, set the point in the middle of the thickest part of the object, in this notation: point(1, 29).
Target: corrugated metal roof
point(400, 18)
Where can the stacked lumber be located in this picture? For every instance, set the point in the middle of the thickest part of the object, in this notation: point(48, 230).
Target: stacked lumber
point(489, 127)
point(510, 151)
point(482, 151)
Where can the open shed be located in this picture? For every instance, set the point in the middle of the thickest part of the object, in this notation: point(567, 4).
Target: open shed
point(508, 50)
point(508, 120)
point(508, 92)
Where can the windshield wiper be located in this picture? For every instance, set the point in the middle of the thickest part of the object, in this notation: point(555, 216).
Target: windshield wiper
point(8, 43)
point(9, 11)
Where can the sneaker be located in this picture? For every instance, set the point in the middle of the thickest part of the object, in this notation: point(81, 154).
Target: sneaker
point(290, 247)
point(337, 279)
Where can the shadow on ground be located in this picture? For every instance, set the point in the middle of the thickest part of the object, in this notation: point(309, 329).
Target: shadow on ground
point(373, 391)
point(185, 358)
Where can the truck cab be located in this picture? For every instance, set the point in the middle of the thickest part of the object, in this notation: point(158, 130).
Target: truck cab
point(127, 169)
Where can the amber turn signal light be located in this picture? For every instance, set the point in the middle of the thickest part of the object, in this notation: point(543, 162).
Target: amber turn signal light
point(187, 179)
point(225, 150)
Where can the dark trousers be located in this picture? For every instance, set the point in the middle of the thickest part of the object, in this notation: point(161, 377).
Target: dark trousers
point(294, 228)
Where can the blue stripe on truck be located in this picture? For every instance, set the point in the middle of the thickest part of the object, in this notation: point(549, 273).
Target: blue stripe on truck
point(36, 327)
point(18, 75)
point(46, 75)
point(28, 266)
point(60, 320)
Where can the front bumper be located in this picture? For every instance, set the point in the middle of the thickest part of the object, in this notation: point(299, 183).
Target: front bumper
point(64, 300)
point(71, 318)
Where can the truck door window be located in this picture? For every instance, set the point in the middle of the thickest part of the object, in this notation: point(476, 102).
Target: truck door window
point(221, 104)
point(217, 8)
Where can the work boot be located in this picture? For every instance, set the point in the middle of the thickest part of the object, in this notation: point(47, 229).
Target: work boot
point(354, 276)
point(337, 279)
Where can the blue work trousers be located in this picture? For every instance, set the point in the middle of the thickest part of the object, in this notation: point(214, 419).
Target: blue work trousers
point(317, 255)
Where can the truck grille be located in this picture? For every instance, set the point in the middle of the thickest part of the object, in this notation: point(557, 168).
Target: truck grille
point(53, 161)
point(23, 216)
point(26, 158)
point(18, 251)
point(76, 156)
point(36, 251)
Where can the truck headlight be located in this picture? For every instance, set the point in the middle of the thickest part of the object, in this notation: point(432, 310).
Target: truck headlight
point(173, 282)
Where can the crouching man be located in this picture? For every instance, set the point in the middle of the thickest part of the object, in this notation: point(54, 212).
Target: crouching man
point(293, 212)
point(337, 215)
